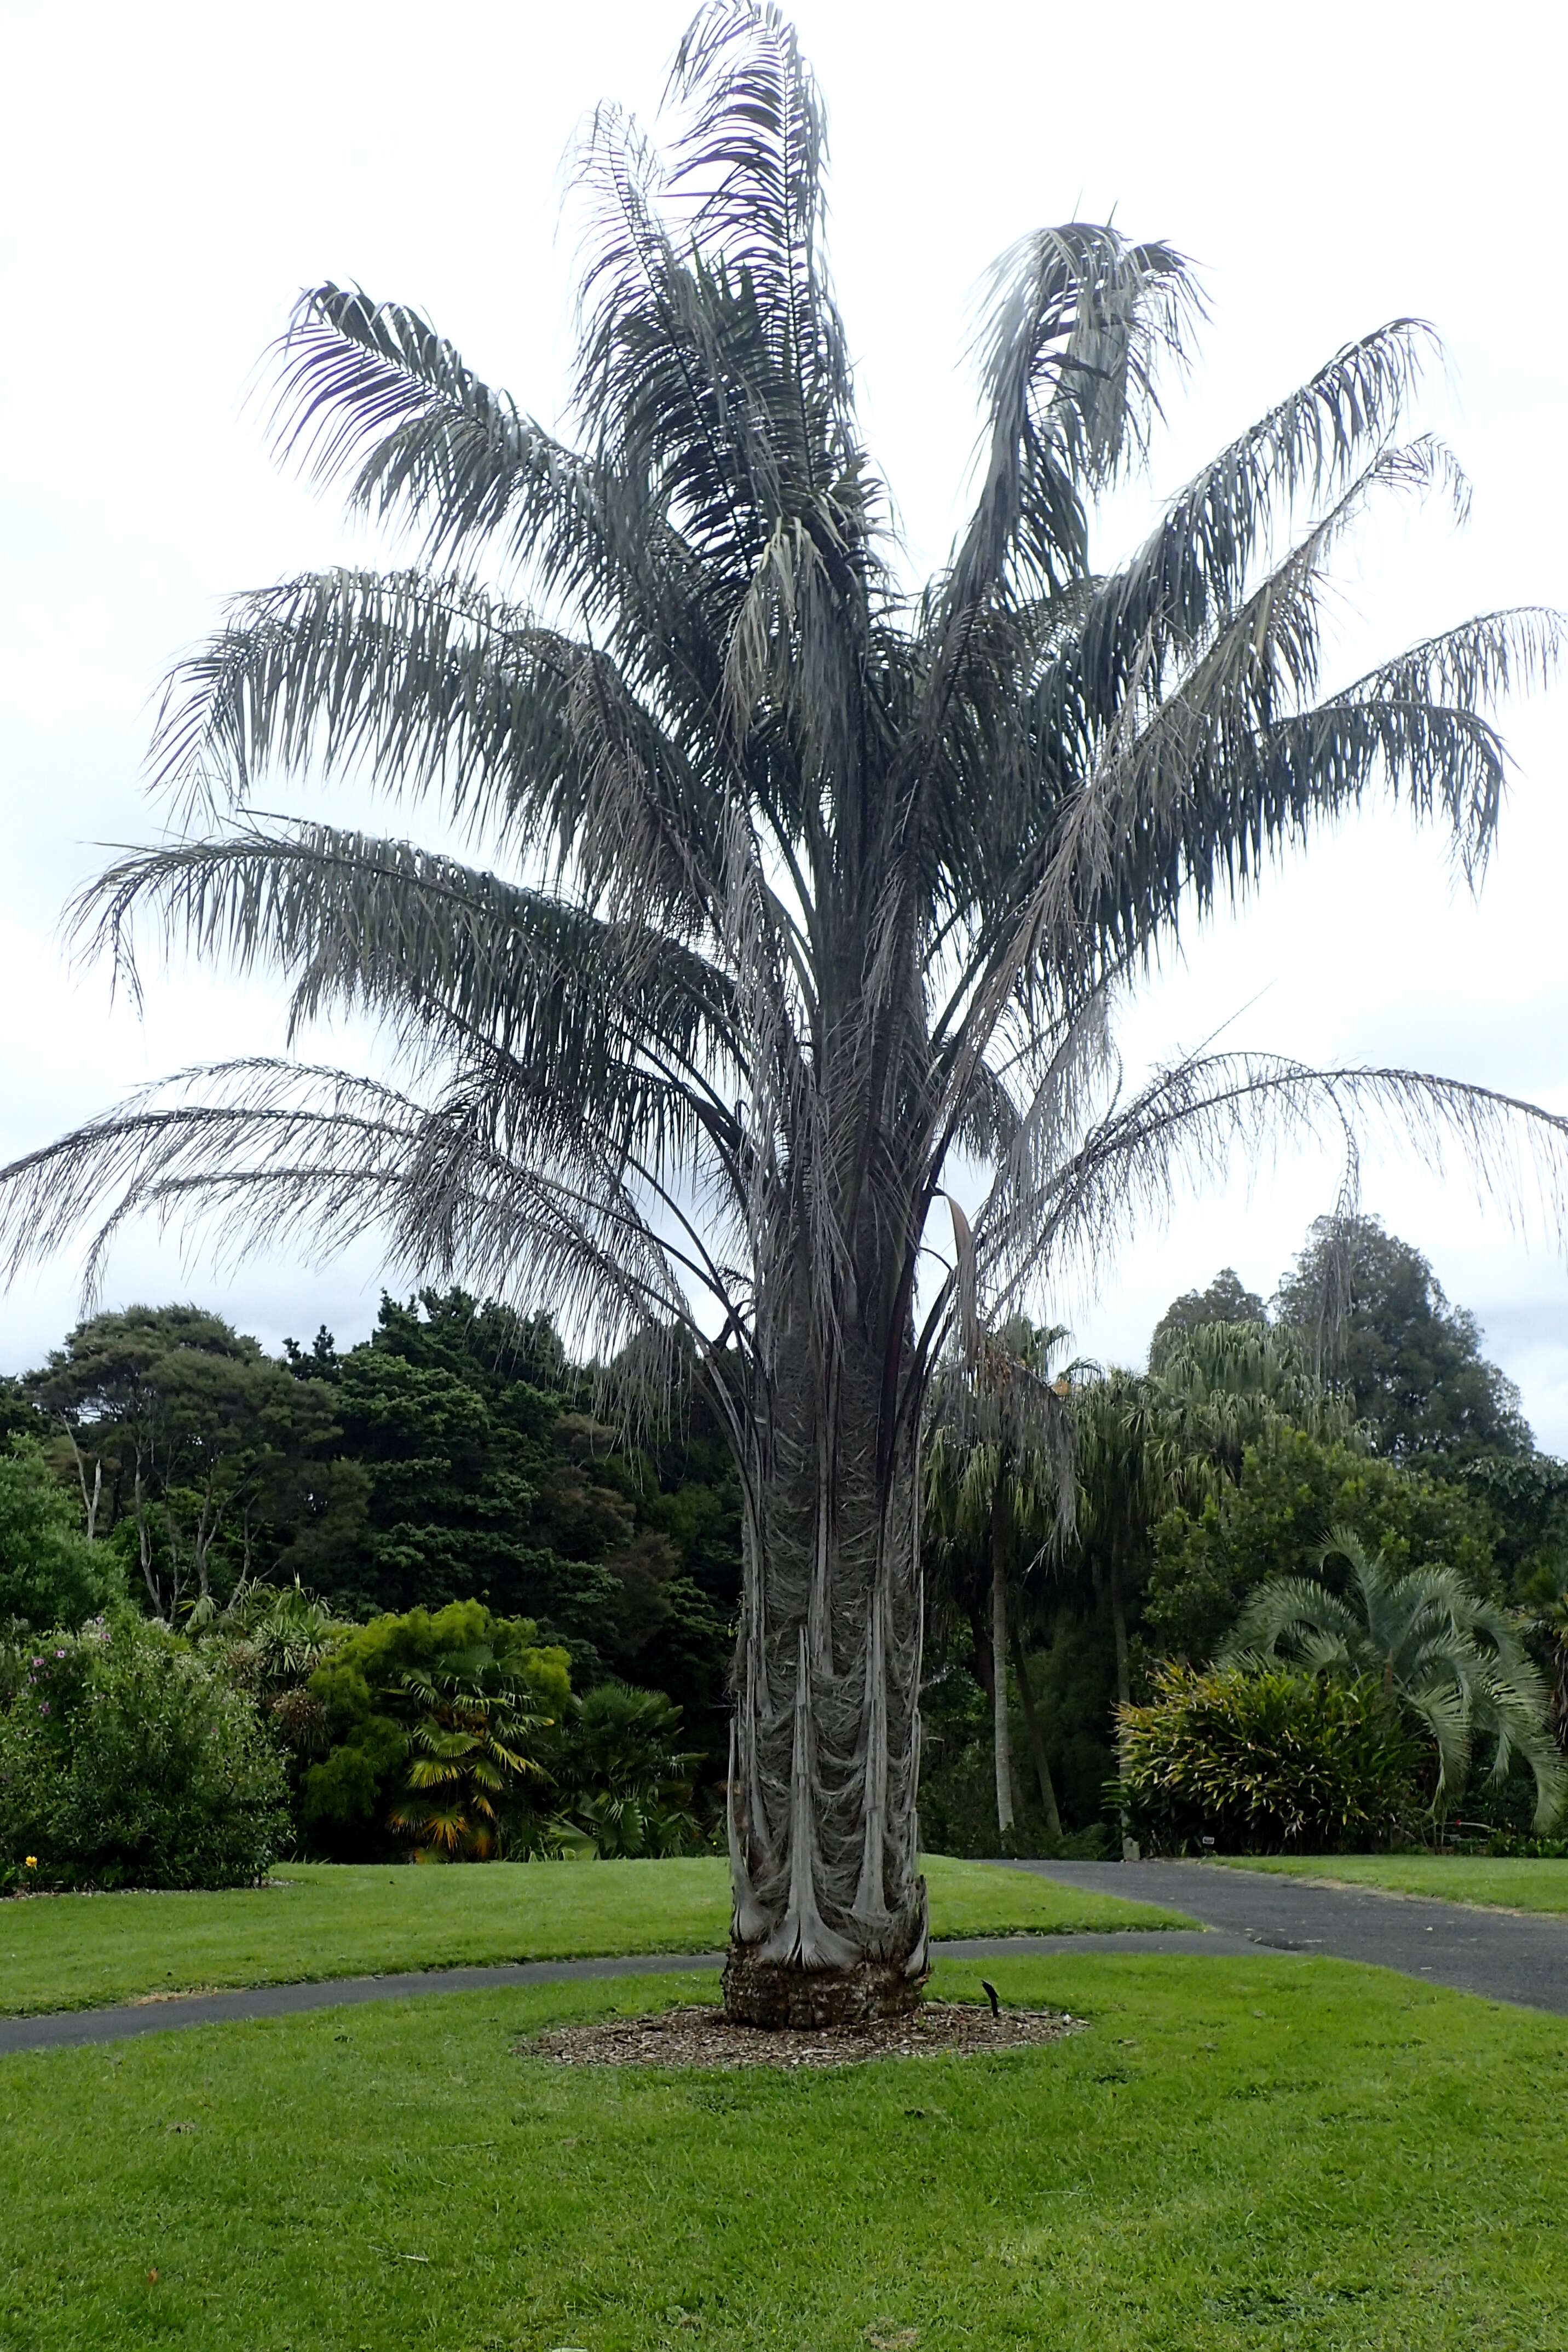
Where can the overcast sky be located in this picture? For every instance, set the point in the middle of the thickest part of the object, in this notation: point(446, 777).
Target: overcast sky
point(172, 175)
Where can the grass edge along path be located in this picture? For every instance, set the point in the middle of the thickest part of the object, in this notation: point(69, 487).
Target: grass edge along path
point(318, 1921)
point(1481, 1881)
point(1250, 2154)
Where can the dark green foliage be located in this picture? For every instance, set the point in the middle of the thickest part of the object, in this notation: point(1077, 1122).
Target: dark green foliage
point(362, 1688)
point(1226, 1300)
point(19, 1416)
point(1370, 1309)
point(49, 1574)
point(629, 1780)
point(1268, 1763)
point(1292, 1489)
point(1072, 1662)
point(1527, 1495)
point(185, 1435)
point(482, 1471)
point(125, 1761)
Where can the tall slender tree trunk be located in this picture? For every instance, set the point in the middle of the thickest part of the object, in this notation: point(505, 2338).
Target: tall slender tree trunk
point(1001, 1732)
point(144, 1545)
point(89, 1501)
point(1123, 1682)
point(980, 1638)
point(1118, 1628)
point(1036, 1740)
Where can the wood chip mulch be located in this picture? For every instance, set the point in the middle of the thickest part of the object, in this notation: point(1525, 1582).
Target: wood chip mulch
point(704, 2037)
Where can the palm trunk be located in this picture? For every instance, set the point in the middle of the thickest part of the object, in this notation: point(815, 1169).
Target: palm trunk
point(1124, 1686)
point(1001, 1734)
point(1037, 1741)
point(144, 1546)
point(1118, 1628)
point(829, 1908)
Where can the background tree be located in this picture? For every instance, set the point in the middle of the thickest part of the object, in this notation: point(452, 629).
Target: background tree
point(49, 1574)
point(1210, 1554)
point(1226, 1301)
point(1371, 1310)
point(175, 1424)
point(801, 881)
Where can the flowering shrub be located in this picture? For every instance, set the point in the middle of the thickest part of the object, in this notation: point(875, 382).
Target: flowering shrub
point(124, 1761)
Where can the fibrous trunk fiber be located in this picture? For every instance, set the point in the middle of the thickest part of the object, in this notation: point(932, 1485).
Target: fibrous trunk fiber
point(829, 1909)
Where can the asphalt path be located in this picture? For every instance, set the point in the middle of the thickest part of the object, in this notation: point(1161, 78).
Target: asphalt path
point(1503, 1955)
point(1511, 1955)
point(65, 2029)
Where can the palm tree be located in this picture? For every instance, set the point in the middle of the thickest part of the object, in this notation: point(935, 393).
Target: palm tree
point(998, 1487)
point(1456, 1663)
point(630, 1783)
point(802, 882)
point(467, 1756)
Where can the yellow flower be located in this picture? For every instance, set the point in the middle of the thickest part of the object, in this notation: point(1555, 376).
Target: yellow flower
point(32, 1862)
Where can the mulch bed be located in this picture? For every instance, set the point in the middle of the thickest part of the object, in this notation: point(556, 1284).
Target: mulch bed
point(705, 2037)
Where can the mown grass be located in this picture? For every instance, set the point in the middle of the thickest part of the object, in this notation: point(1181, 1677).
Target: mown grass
point(1495, 1882)
point(1254, 2153)
point(81, 1951)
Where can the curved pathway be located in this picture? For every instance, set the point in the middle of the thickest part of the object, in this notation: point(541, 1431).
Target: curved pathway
point(60, 2029)
point(1502, 1955)
point(1518, 1957)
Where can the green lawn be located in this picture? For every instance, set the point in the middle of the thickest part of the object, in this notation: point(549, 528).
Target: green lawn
point(1238, 2155)
point(1498, 1884)
point(82, 1951)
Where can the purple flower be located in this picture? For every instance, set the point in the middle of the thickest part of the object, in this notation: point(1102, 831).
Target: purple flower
point(44, 1708)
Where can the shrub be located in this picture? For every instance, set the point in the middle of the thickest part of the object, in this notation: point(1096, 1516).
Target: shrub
point(124, 1761)
point(1268, 1763)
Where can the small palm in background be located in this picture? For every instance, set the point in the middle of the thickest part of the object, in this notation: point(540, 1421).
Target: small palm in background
point(632, 1784)
point(468, 1760)
point(998, 1488)
point(1455, 1663)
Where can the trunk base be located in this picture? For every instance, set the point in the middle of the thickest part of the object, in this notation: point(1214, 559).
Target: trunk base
point(767, 1994)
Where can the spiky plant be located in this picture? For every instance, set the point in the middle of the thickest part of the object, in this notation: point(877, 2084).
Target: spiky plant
point(802, 882)
point(1455, 1663)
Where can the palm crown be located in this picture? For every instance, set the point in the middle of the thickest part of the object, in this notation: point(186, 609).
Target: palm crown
point(800, 884)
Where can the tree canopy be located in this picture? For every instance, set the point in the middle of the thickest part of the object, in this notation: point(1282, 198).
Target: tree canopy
point(1372, 1312)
